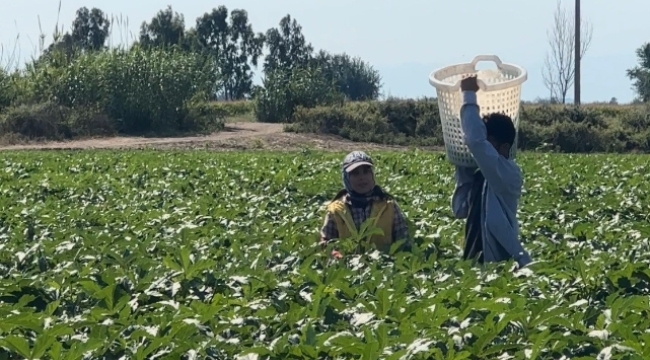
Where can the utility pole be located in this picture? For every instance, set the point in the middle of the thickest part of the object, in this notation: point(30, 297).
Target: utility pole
point(576, 80)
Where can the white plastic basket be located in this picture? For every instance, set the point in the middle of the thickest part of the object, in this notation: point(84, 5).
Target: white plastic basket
point(500, 92)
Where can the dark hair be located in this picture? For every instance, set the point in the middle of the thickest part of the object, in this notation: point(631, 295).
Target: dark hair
point(500, 127)
point(379, 192)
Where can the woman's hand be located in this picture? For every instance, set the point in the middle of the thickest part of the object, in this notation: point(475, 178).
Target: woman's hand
point(335, 253)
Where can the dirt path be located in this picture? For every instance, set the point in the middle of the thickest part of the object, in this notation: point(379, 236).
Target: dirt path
point(236, 136)
point(238, 130)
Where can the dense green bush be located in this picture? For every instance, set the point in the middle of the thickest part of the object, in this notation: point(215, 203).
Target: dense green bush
point(10, 86)
point(141, 91)
point(231, 108)
point(542, 127)
point(391, 122)
point(283, 92)
point(54, 122)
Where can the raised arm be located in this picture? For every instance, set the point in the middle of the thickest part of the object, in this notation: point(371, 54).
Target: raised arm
point(503, 175)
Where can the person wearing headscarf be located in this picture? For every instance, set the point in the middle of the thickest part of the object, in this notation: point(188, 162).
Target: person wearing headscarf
point(360, 199)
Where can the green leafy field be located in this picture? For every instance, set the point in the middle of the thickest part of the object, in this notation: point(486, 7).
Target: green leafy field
point(198, 255)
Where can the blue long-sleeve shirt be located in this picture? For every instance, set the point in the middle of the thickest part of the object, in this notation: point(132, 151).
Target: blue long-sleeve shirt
point(501, 191)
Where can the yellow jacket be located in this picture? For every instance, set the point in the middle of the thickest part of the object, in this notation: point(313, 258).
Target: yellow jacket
point(382, 217)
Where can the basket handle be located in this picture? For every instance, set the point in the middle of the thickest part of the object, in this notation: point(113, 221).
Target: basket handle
point(495, 59)
point(481, 84)
point(471, 68)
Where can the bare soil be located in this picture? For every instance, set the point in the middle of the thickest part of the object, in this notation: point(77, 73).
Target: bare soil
point(236, 136)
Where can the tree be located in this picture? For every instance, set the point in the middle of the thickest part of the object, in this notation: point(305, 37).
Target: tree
point(233, 45)
point(167, 28)
point(559, 64)
point(640, 74)
point(90, 30)
point(288, 48)
point(352, 77)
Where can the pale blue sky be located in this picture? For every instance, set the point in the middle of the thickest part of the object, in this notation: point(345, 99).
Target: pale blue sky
point(405, 40)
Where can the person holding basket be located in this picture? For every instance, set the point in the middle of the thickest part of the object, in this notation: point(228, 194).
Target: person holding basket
point(487, 196)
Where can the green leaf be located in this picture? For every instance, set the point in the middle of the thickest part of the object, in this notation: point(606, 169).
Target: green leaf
point(42, 344)
point(51, 307)
point(18, 345)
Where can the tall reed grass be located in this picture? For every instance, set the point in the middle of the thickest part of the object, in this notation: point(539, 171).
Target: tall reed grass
point(140, 90)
